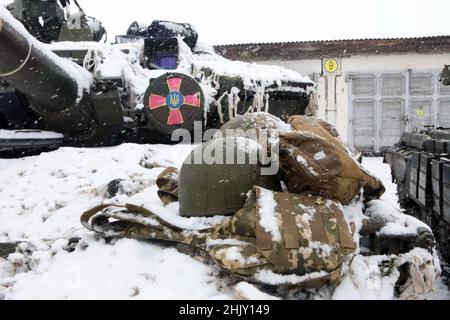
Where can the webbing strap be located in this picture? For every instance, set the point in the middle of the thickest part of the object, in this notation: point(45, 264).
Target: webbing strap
point(263, 238)
point(133, 209)
point(289, 225)
point(345, 237)
point(318, 229)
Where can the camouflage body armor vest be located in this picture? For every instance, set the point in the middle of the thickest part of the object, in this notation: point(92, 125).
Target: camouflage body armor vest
point(310, 239)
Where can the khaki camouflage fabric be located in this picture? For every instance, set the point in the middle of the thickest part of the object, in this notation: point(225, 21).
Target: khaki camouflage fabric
point(315, 125)
point(167, 183)
point(301, 233)
point(312, 158)
point(309, 237)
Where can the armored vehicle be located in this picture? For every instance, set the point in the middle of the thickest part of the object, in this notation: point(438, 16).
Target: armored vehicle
point(152, 81)
point(420, 165)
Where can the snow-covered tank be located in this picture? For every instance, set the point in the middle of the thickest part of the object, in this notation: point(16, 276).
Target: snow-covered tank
point(152, 81)
point(420, 165)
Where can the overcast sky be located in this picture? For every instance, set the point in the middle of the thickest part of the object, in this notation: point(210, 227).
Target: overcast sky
point(242, 21)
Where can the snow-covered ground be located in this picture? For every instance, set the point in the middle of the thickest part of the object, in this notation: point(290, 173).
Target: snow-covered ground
point(42, 197)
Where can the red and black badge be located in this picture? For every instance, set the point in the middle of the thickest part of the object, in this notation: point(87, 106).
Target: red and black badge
point(174, 101)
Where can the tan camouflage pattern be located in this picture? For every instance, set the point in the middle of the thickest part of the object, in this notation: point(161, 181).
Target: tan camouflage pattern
point(313, 159)
point(167, 183)
point(233, 243)
point(313, 124)
point(251, 121)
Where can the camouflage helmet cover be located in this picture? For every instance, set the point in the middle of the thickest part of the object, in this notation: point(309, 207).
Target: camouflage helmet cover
point(254, 121)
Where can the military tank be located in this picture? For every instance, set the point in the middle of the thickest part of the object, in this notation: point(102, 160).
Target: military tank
point(420, 165)
point(154, 80)
point(47, 21)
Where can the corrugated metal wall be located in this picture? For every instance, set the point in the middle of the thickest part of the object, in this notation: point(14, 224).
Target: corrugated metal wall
point(384, 105)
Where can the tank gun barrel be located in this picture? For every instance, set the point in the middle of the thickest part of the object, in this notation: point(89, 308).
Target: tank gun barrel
point(32, 71)
point(56, 89)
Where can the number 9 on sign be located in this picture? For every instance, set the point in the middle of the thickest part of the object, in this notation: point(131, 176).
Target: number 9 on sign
point(331, 65)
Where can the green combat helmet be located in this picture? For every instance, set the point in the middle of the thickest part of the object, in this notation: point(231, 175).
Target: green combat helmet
point(217, 176)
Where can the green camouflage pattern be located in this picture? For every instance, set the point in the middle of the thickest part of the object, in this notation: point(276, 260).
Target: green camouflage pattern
point(322, 239)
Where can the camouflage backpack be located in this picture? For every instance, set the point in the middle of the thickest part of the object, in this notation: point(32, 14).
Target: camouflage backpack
point(313, 158)
point(276, 234)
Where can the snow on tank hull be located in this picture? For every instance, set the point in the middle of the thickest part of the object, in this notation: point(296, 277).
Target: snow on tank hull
point(100, 94)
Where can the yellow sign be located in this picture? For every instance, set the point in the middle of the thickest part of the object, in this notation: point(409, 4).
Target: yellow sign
point(331, 65)
point(420, 113)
